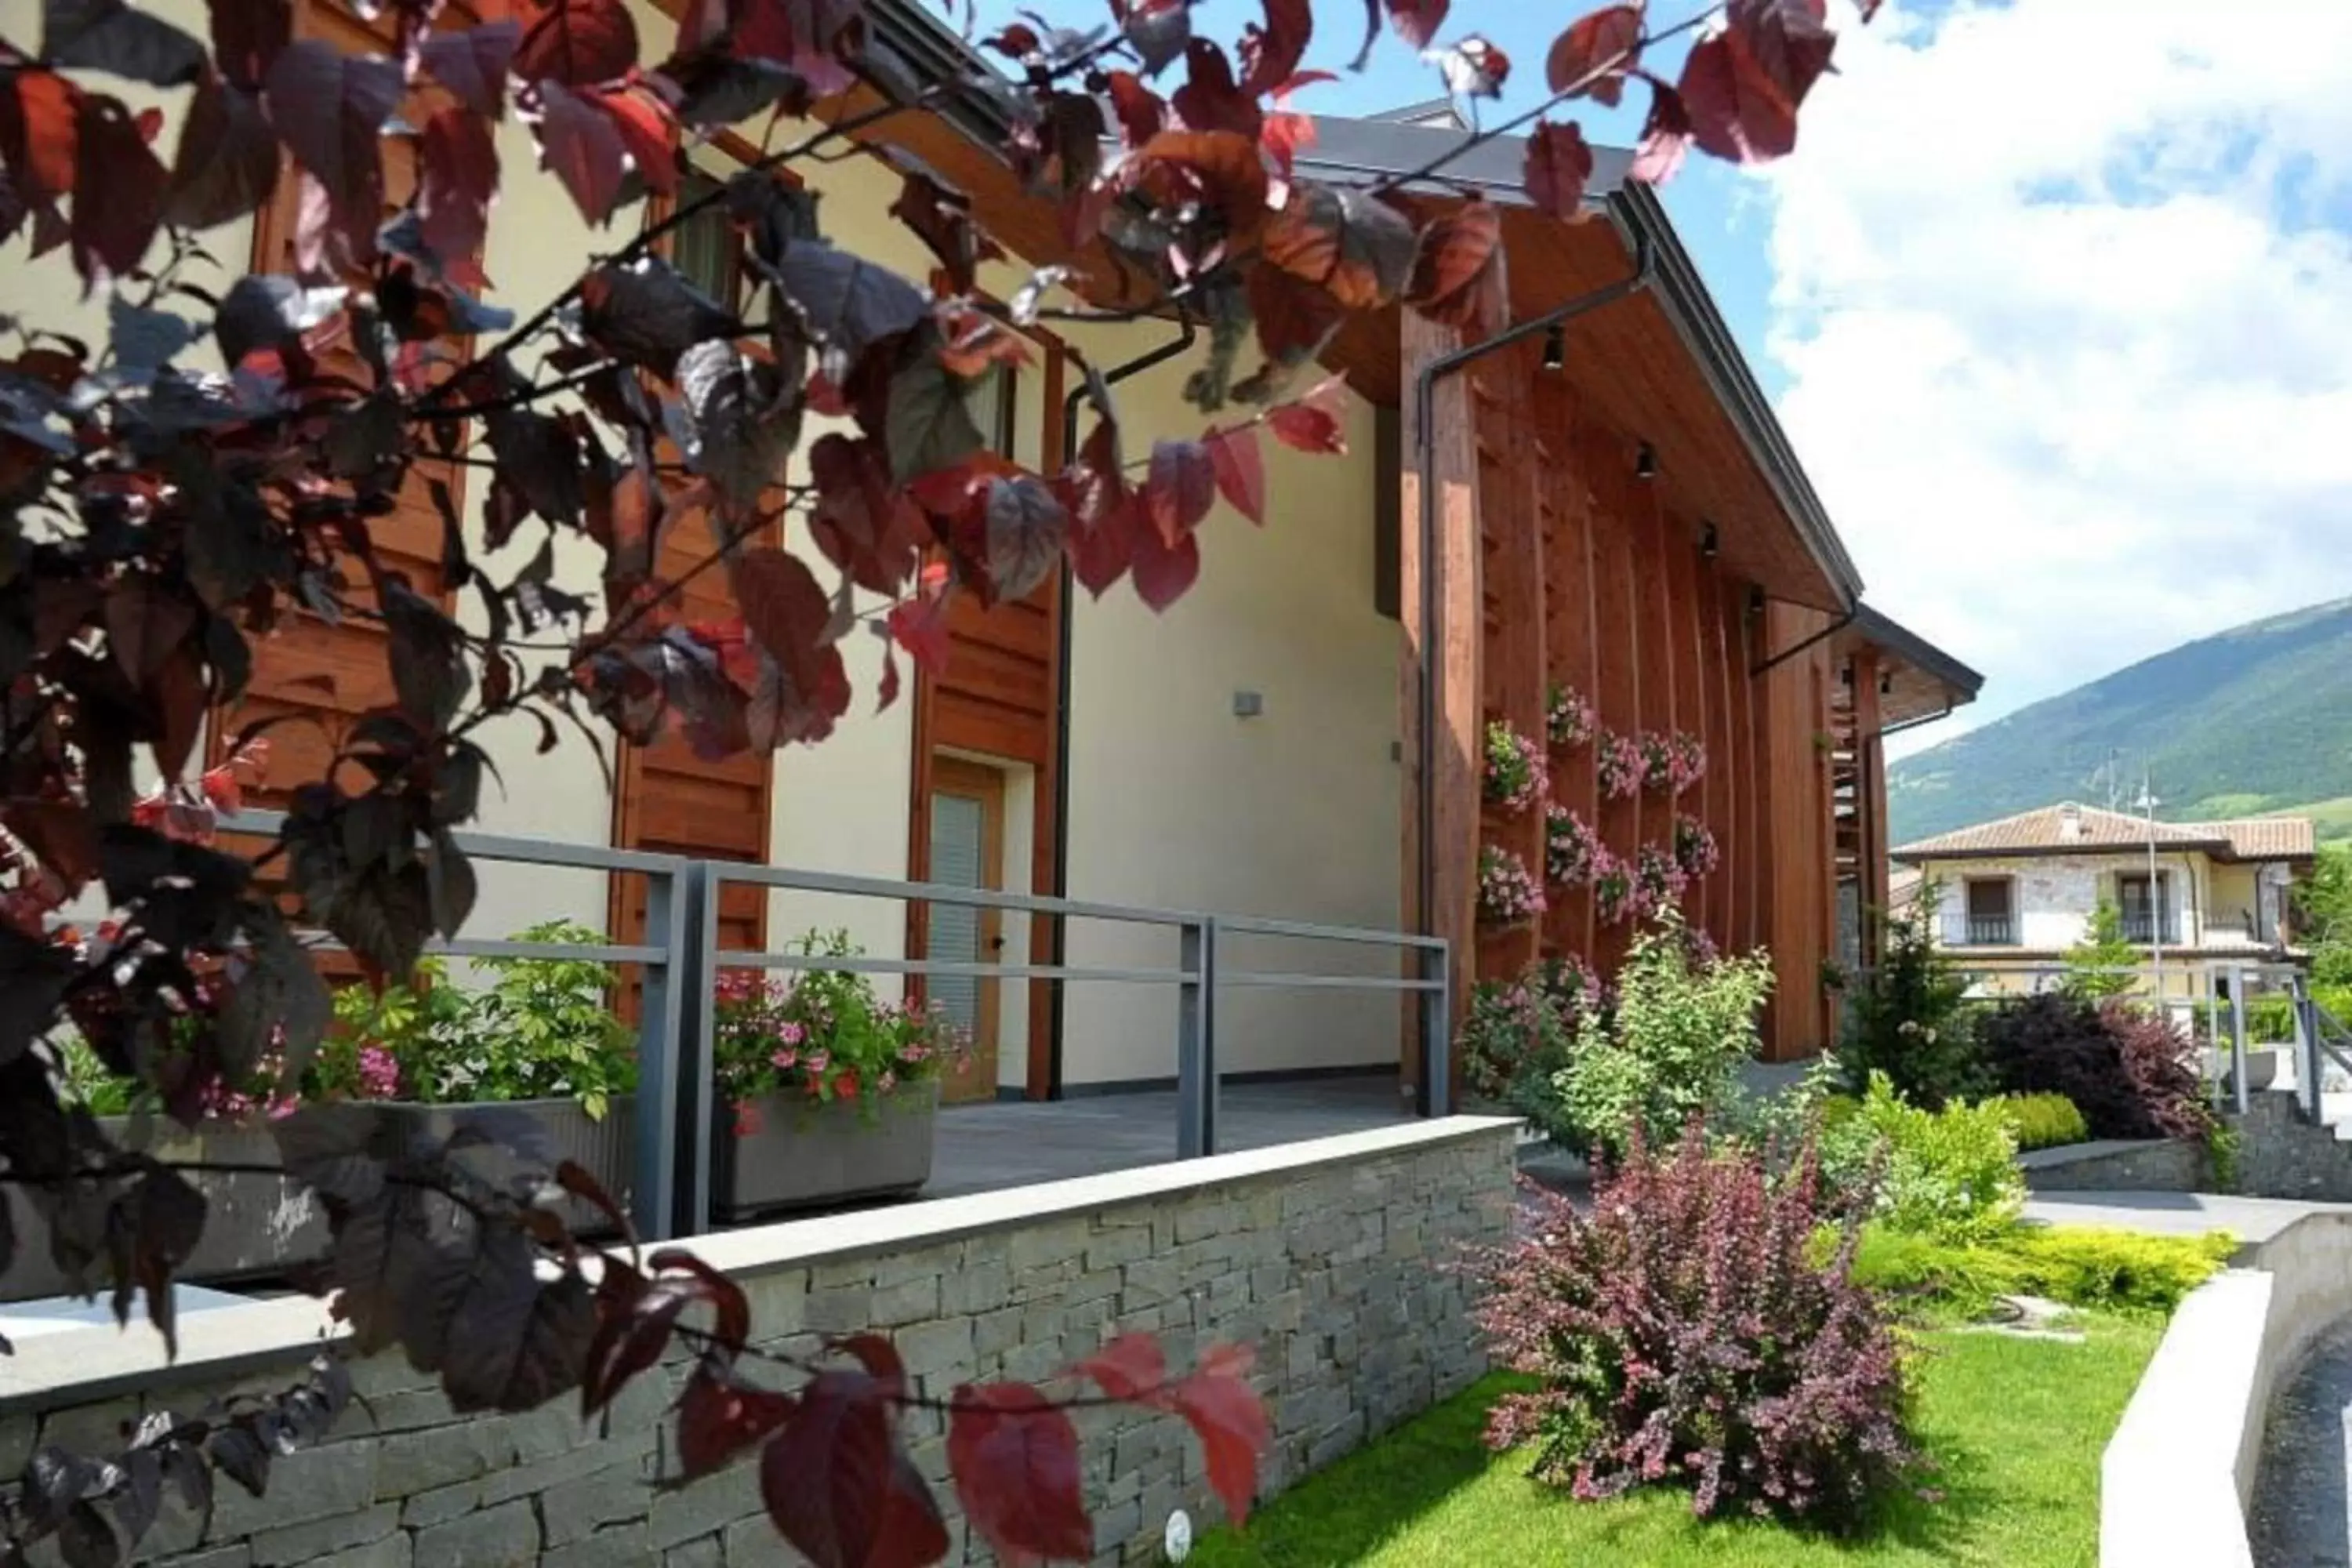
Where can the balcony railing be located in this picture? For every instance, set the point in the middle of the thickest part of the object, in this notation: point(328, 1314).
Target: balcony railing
point(2144, 927)
point(1981, 931)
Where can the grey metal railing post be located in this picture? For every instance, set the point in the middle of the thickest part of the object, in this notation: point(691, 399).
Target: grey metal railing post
point(1434, 1095)
point(2238, 1038)
point(1196, 1041)
point(695, 1144)
point(653, 1201)
point(2306, 1048)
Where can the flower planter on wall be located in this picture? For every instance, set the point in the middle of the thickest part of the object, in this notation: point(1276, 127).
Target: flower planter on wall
point(795, 1154)
point(262, 1226)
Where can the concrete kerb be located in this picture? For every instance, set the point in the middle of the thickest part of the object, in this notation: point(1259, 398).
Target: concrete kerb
point(2178, 1475)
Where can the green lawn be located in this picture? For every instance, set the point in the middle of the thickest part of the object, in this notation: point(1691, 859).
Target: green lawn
point(2014, 1427)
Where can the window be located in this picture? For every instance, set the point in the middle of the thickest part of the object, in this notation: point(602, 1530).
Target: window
point(1991, 917)
point(2147, 918)
point(993, 400)
point(704, 247)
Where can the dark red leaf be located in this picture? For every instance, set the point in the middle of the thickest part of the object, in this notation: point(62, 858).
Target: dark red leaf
point(1225, 1413)
point(38, 111)
point(120, 39)
point(330, 108)
point(921, 627)
point(1270, 54)
point(1180, 488)
point(1304, 427)
point(1141, 112)
point(1219, 168)
point(583, 148)
point(878, 1356)
point(119, 191)
point(785, 609)
point(816, 39)
point(1014, 1457)
point(913, 1534)
point(940, 216)
point(1283, 134)
point(1356, 248)
point(1017, 41)
point(1417, 21)
point(1454, 252)
point(1163, 573)
point(718, 1418)
point(1743, 86)
point(1558, 165)
point(730, 1312)
point(647, 129)
point(826, 1478)
point(864, 524)
point(1241, 473)
point(1130, 1367)
point(1159, 30)
point(246, 37)
point(1295, 317)
point(459, 177)
point(472, 63)
point(577, 42)
point(1210, 98)
point(1025, 528)
point(647, 313)
point(1596, 53)
point(1666, 136)
point(227, 159)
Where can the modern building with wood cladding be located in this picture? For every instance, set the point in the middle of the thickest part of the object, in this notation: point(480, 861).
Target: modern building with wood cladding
point(1616, 511)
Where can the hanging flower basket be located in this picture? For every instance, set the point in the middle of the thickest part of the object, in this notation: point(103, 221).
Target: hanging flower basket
point(1617, 761)
point(1658, 882)
point(1694, 849)
point(1570, 846)
point(1517, 775)
point(1567, 716)
point(1508, 894)
point(1612, 886)
point(1671, 763)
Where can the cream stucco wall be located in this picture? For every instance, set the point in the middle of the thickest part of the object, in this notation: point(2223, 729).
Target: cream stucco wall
point(1175, 802)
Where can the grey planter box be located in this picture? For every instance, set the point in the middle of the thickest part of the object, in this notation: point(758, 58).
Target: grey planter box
point(260, 1227)
point(807, 1154)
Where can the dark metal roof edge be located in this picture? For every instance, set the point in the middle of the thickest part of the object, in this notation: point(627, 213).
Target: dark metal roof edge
point(1702, 328)
point(1877, 626)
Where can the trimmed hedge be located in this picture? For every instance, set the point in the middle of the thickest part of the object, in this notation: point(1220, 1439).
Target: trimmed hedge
point(2042, 1120)
point(2082, 1265)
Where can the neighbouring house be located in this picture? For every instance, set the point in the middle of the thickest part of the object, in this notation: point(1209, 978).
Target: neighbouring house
point(1617, 512)
point(2013, 895)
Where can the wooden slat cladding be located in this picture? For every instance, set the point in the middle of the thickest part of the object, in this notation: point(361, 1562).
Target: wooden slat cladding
point(1566, 565)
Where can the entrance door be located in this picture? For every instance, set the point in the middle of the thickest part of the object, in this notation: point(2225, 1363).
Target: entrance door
point(967, 844)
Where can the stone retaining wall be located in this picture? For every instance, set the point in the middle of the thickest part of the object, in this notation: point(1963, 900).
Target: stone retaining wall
point(2116, 1165)
point(1333, 1257)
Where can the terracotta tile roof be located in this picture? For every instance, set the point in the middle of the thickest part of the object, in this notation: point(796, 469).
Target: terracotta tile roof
point(2069, 828)
point(2268, 837)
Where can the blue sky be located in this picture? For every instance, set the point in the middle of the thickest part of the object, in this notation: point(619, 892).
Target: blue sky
point(2053, 299)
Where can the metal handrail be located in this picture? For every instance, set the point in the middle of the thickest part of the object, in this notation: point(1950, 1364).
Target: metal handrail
point(672, 1170)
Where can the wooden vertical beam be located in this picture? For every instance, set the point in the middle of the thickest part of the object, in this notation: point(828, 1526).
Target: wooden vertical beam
point(1617, 677)
point(1569, 654)
point(1715, 789)
point(1512, 658)
point(1451, 665)
point(1679, 543)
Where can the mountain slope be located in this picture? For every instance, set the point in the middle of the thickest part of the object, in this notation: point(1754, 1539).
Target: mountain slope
point(2256, 719)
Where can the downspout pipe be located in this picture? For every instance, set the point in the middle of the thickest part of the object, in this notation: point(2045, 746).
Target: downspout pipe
point(1827, 632)
point(1424, 402)
point(1186, 336)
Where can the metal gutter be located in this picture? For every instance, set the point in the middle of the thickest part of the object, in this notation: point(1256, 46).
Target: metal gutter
point(1186, 335)
point(1897, 729)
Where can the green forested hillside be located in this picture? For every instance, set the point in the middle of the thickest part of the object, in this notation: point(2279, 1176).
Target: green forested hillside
point(2257, 719)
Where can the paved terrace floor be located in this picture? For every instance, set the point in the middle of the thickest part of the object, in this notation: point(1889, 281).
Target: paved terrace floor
point(982, 1148)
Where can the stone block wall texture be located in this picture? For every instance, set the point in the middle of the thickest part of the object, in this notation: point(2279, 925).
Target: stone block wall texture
point(2281, 1155)
point(1343, 1276)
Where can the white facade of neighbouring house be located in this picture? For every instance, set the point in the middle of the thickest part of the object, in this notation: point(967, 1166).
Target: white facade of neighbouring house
point(2012, 896)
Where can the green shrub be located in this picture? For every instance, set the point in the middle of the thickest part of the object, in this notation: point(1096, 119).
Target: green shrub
point(1950, 1173)
point(2082, 1266)
point(2042, 1120)
point(2090, 1267)
point(1668, 1049)
point(1909, 1018)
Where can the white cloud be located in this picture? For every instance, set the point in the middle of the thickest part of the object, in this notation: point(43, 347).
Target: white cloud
point(2063, 291)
